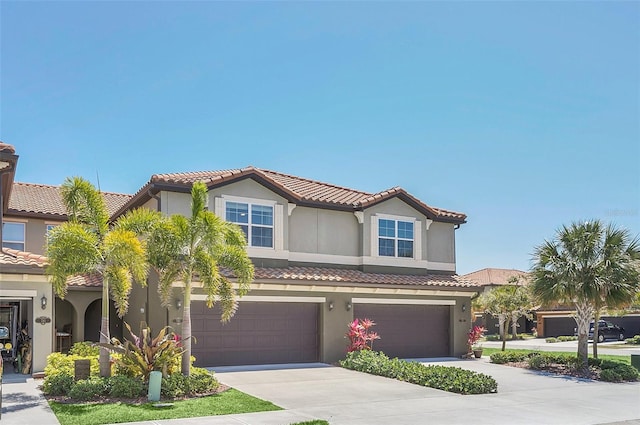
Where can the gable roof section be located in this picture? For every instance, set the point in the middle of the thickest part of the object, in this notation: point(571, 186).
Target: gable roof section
point(298, 190)
point(39, 200)
point(491, 276)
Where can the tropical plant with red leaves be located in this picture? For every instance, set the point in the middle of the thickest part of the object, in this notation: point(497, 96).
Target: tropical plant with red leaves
point(360, 338)
point(474, 336)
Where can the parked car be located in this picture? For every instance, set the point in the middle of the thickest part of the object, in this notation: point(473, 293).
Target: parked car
point(607, 330)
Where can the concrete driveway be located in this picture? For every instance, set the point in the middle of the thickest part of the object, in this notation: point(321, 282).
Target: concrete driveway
point(345, 397)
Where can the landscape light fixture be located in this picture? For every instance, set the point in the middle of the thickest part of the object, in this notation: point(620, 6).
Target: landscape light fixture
point(330, 305)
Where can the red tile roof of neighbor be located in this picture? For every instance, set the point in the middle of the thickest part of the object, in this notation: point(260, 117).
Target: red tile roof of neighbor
point(491, 276)
point(327, 275)
point(14, 257)
point(296, 189)
point(40, 199)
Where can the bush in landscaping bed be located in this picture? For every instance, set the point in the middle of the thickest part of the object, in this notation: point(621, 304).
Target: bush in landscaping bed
point(635, 340)
point(125, 387)
point(59, 363)
point(453, 379)
point(501, 357)
point(84, 349)
point(89, 389)
point(57, 384)
point(200, 381)
point(621, 372)
point(551, 340)
point(566, 338)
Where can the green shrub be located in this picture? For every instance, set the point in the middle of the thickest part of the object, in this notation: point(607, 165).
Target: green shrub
point(125, 387)
point(622, 372)
point(57, 384)
point(501, 357)
point(567, 338)
point(635, 340)
point(84, 349)
point(551, 340)
point(173, 386)
point(453, 379)
point(538, 362)
point(496, 337)
point(200, 381)
point(59, 363)
point(89, 389)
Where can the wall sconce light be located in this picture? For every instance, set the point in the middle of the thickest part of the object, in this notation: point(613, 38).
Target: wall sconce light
point(43, 302)
point(464, 308)
point(330, 305)
point(142, 310)
point(348, 306)
point(178, 303)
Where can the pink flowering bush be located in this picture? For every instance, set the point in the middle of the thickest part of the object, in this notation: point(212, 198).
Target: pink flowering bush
point(360, 338)
point(474, 336)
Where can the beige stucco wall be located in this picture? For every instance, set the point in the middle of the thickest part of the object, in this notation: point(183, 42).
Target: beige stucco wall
point(13, 287)
point(35, 232)
point(440, 242)
point(318, 231)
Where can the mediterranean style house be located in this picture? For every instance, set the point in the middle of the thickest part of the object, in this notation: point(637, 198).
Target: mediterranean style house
point(323, 255)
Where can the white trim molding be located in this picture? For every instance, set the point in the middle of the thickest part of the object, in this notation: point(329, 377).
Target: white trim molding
point(268, 299)
point(22, 293)
point(407, 301)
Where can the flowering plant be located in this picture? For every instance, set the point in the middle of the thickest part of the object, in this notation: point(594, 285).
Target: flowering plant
point(474, 336)
point(359, 336)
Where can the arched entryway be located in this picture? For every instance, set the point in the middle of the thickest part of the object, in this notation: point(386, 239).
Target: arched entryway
point(92, 318)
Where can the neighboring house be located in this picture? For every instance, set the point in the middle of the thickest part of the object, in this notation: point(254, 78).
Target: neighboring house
point(490, 278)
point(29, 211)
point(323, 255)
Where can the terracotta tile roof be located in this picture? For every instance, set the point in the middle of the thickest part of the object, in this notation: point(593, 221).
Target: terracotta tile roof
point(491, 276)
point(296, 189)
point(328, 275)
point(91, 280)
point(45, 200)
point(14, 257)
point(5, 147)
point(320, 274)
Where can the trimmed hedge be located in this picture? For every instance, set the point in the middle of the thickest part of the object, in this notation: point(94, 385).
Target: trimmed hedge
point(502, 357)
point(634, 341)
point(452, 379)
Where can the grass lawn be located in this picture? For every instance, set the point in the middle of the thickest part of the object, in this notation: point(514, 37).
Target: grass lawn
point(624, 359)
point(225, 403)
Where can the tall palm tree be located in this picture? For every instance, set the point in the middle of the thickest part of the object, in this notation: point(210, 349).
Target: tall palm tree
point(590, 266)
point(86, 245)
point(181, 248)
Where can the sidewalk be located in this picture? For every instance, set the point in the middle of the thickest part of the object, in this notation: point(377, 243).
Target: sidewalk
point(23, 403)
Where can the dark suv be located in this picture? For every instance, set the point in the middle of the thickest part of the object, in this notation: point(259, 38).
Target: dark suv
point(607, 330)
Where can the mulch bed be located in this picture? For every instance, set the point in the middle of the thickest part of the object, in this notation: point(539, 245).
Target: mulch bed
point(134, 401)
point(561, 369)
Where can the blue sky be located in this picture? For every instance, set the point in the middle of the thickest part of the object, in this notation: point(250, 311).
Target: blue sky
point(523, 115)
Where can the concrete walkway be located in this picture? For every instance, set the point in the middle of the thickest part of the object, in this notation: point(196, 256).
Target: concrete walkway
point(616, 348)
point(23, 402)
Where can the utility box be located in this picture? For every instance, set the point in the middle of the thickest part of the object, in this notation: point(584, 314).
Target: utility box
point(635, 361)
point(155, 383)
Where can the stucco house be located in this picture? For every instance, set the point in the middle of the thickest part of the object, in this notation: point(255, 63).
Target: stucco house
point(323, 255)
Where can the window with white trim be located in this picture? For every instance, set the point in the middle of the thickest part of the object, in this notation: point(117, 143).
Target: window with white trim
point(13, 235)
point(395, 238)
point(255, 220)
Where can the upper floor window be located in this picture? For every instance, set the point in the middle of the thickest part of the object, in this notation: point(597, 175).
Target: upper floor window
point(255, 220)
point(395, 238)
point(13, 235)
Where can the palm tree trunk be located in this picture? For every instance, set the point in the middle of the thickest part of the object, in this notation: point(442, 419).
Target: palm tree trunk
point(596, 318)
point(104, 359)
point(186, 329)
point(583, 315)
point(503, 323)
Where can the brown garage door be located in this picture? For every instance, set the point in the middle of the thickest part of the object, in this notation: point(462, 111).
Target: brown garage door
point(408, 331)
point(259, 333)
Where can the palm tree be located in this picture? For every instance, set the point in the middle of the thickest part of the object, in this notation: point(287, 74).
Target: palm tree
point(590, 266)
point(86, 245)
point(506, 303)
point(181, 248)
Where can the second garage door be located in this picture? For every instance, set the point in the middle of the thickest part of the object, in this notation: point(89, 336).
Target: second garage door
point(259, 333)
point(408, 331)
